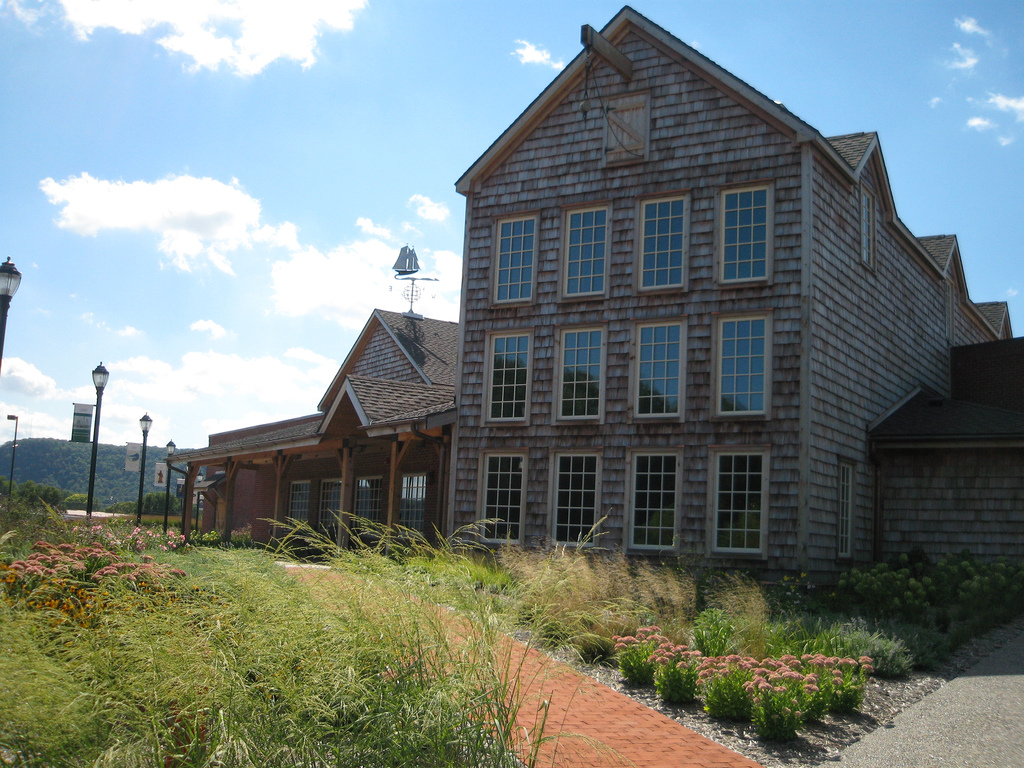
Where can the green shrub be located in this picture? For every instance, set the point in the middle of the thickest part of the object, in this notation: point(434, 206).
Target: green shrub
point(635, 654)
point(713, 632)
point(722, 686)
point(675, 677)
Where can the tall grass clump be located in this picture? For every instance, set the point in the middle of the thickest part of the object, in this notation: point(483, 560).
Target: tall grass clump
point(237, 664)
point(581, 598)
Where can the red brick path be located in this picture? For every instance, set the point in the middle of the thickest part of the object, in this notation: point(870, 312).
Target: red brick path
point(586, 724)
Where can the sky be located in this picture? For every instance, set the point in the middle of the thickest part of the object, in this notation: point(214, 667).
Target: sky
point(207, 196)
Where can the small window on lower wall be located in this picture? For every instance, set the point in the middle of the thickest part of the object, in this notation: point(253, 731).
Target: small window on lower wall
point(412, 510)
point(654, 500)
point(740, 500)
point(844, 522)
point(575, 497)
point(502, 496)
point(298, 501)
point(369, 498)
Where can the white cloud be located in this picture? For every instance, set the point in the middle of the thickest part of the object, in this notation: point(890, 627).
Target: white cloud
point(309, 356)
point(966, 58)
point(428, 209)
point(970, 25)
point(1008, 104)
point(369, 228)
point(130, 332)
point(528, 53)
point(980, 123)
point(196, 218)
point(24, 378)
point(244, 35)
point(215, 330)
point(934, 102)
point(1011, 292)
point(1005, 141)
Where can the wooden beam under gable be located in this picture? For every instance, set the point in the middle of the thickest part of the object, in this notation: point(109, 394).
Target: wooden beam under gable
point(591, 38)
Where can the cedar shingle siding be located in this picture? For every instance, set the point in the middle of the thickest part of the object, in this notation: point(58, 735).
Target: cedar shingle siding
point(848, 340)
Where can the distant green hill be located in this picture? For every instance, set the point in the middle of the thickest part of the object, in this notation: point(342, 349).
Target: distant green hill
point(65, 465)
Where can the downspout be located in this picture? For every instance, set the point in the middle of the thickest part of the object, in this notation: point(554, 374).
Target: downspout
point(877, 512)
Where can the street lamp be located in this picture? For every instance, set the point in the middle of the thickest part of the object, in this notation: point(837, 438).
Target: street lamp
point(100, 375)
point(14, 450)
point(145, 422)
point(10, 279)
point(167, 492)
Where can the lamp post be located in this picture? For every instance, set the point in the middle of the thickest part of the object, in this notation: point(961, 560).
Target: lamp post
point(14, 451)
point(167, 491)
point(10, 279)
point(145, 422)
point(100, 375)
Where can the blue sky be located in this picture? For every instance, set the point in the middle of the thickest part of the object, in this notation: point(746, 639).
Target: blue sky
point(208, 195)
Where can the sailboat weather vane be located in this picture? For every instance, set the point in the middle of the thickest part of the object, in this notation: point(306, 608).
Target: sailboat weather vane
point(405, 269)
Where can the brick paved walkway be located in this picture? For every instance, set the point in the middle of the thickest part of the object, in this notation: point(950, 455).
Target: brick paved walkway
point(588, 725)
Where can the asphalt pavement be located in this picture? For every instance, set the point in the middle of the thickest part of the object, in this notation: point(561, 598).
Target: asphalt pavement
point(975, 720)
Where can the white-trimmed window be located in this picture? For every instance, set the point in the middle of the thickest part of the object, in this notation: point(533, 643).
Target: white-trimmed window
point(740, 500)
point(654, 495)
point(586, 251)
point(746, 234)
point(330, 503)
point(513, 279)
point(369, 502)
point(575, 496)
point(743, 365)
point(581, 374)
point(502, 491)
point(298, 500)
point(844, 523)
point(867, 227)
point(663, 246)
point(659, 368)
point(509, 377)
point(413, 507)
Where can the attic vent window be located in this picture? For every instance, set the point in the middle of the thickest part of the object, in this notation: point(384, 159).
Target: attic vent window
point(627, 129)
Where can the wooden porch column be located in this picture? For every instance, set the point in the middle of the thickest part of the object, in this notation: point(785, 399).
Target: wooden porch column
point(281, 464)
point(231, 468)
point(442, 476)
point(347, 502)
point(395, 482)
point(191, 472)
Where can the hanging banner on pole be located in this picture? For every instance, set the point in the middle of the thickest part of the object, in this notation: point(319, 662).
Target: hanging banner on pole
point(81, 423)
point(160, 478)
point(131, 459)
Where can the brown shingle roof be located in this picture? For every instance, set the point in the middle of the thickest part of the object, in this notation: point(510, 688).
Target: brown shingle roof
point(384, 400)
point(930, 417)
point(263, 434)
point(995, 312)
point(852, 146)
point(939, 247)
point(432, 344)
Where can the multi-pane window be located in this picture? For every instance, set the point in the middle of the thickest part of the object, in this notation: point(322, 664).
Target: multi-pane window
point(298, 500)
point(739, 500)
point(867, 227)
point(412, 510)
point(654, 500)
point(510, 357)
point(664, 243)
point(575, 497)
point(659, 360)
point(742, 365)
point(745, 235)
point(581, 374)
point(330, 503)
point(585, 253)
point(369, 498)
point(844, 524)
point(514, 279)
point(503, 496)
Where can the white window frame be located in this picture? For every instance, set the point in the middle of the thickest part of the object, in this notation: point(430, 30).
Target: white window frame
point(489, 401)
point(723, 230)
point(716, 489)
point(498, 269)
point(867, 226)
point(719, 342)
point(327, 488)
point(556, 475)
point(643, 239)
point(299, 493)
point(485, 490)
point(569, 245)
point(413, 481)
point(845, 495)
point(357, 506)
point(639, 363)
point(633, 488)
point(561, 381)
